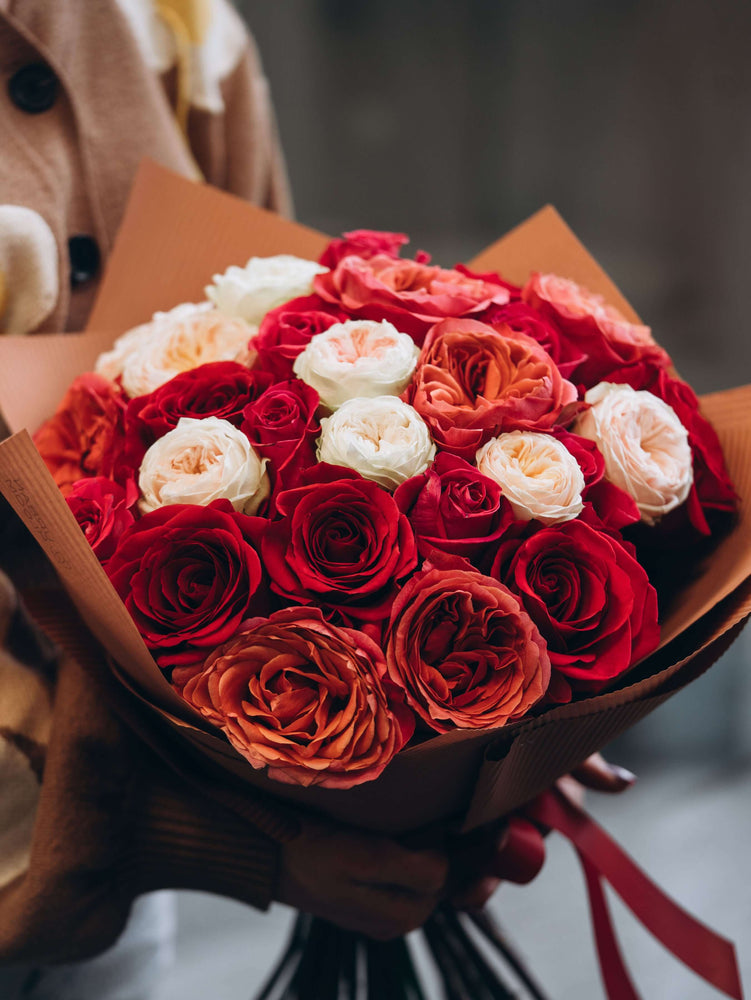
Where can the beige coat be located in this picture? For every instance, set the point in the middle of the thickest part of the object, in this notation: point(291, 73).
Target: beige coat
point(93, 86)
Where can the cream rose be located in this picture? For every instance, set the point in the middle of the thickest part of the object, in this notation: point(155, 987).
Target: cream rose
point(644, 444)
point(176, 341)
point(382, 438)
point(200, 461)
point(537, 474)
point(357, 358)
point(264, 283)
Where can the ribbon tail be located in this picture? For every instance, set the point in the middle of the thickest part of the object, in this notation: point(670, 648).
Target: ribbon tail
point(701, 949)
point(615, 977)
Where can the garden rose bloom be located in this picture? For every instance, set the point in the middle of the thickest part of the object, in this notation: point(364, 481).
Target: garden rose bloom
point(189, 576)
point(472, 382)
point(339, 541)
point(598, 329)
point(521, 318)
point(589, 597)
point(464, 650)
point(644, 444)
point(712, 494)
point(357, 358)
point(382, 438)
point(453, 507)
point(410, 295)
point(303, 698)
point(249, 292)
point(85, 436)
point(285, 332)
point(201, 461)
point(177, 341)
point(538, 475)
point(102, 509)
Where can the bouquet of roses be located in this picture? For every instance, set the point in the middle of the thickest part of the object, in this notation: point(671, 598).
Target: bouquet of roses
point(366, 521)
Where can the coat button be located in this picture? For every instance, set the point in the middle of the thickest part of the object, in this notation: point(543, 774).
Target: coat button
point(33, 88)
point(84, 259)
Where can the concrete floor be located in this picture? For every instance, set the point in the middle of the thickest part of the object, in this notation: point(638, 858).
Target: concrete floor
point(687, 826)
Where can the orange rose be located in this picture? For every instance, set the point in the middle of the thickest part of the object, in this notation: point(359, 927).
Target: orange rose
point(464, 650)
point(473, 381)
point(85, 437)
point(303, 698)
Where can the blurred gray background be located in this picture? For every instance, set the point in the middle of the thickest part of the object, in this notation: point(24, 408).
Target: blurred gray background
point(453, 121)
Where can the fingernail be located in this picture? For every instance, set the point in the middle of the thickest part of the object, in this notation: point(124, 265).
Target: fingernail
point(622, 774)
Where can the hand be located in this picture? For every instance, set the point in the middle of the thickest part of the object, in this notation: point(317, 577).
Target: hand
point(482, 852)
point(361, 881)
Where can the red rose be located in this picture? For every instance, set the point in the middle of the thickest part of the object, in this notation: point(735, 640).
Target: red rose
point(282, 426)
point(362, 243)
point(521, 318)
point(85, 436)
point(590, 598)
point(464, 650)
point(410, 295)
point(304, 698)
point(606, 337)
point(454, 508)
point(102, 509)
point(712, 495)
point(473, 382)
point(287, 330)
point(614, 508)
point(218, 389)
point(188, 575)
point(340, 541)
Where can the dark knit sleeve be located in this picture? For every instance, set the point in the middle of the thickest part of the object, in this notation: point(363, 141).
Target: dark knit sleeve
point(120, 812)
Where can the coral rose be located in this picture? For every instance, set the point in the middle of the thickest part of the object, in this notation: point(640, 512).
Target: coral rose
point(601, 331)
point(464, 649)
point(85, 436)
point(473, 382)
point(304, 698)
point(410, 295)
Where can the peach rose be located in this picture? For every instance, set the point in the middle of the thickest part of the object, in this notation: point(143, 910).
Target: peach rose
point(304, 698)
point(537, 474)
point(473, 381)
point(464, 650)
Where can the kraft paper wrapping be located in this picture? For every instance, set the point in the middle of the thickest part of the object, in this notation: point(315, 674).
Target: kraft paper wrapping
point(175, 235)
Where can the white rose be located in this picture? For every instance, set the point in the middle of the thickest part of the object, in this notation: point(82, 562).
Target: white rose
point(264, 283)
point(537, 474)
point(176, 341)
point(200, 461)
point(357, 358)
point(644, 444)
point(382, 438)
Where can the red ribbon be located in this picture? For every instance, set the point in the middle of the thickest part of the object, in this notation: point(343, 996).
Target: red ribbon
point(710, 956)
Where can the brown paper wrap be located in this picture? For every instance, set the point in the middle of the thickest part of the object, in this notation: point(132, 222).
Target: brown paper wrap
point(174, 237)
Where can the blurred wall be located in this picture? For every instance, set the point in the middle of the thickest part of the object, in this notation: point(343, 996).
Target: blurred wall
point(455, 120)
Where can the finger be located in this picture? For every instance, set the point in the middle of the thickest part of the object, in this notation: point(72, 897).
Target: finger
point(383, 913)
point(602, 776)
point(475, 895)
point(381, 861)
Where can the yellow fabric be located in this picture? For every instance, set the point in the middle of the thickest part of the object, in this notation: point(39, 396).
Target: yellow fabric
point(194, 15)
